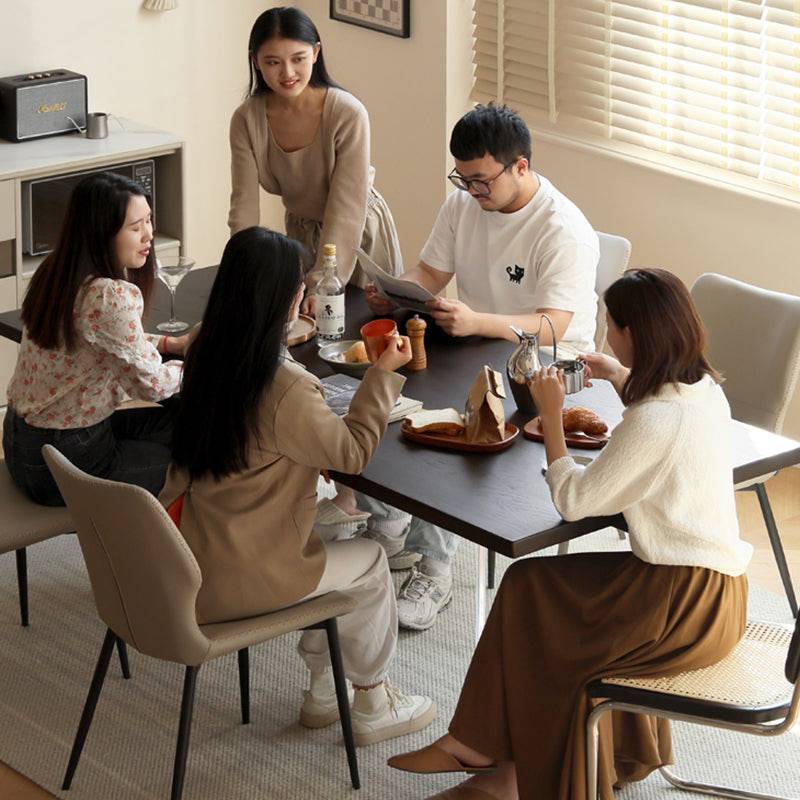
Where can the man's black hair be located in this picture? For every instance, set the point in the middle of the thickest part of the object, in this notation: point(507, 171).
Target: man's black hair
point(496, 130)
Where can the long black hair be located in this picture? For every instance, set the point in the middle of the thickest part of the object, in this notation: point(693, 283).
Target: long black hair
point(236, 353)
point(285, 22)
point(669, 338)
point(85, 250)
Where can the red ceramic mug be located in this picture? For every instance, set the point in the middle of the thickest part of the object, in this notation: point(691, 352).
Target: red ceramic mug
point(376, 335)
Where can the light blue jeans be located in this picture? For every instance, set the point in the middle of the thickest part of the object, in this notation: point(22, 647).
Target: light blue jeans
point(429, 540)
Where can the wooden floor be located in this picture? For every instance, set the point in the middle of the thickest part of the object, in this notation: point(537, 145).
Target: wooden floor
point(784, 493)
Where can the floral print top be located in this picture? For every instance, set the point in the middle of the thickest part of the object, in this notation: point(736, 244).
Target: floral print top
point(113, 360)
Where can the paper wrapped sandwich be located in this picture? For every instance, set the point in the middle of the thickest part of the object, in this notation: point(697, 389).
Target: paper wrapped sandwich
point(484, 420)
point(484, 416)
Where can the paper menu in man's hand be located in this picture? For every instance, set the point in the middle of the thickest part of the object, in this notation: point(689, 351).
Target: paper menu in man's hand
point(405, 294)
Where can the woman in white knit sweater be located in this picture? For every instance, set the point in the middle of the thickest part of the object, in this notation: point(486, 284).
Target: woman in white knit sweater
point(676, 602)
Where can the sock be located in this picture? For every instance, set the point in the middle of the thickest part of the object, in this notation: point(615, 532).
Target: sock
point(433, 568)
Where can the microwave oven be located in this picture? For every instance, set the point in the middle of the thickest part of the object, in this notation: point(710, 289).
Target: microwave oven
point(45, 200)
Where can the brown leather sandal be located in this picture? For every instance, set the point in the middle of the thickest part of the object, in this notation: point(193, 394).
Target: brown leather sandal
point(432, 760)
point(462, 792)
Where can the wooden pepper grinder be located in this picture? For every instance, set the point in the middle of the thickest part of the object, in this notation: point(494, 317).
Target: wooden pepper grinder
point(415, 328)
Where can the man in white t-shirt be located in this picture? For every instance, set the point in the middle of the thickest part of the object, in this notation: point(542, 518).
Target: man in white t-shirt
point(519, 249)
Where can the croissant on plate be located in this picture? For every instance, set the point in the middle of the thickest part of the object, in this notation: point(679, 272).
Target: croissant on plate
point(584, 420)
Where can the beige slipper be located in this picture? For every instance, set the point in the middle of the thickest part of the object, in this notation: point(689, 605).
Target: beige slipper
point(432, 760)
point(328, 513)
point(462, 792)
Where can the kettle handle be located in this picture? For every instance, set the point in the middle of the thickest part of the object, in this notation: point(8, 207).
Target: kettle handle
point(552, 332)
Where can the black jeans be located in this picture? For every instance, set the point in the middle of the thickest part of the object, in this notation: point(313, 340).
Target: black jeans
point(131, 446)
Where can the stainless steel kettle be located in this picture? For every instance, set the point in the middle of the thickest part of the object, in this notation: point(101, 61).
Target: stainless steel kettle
point(524, 362)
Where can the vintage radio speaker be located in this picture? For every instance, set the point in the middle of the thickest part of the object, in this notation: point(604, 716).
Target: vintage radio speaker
point(40, 104)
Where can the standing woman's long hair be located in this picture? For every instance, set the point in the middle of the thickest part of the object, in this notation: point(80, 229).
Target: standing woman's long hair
point(237, 351)
point(85, 250)
point(285, 22)
point(669, 338)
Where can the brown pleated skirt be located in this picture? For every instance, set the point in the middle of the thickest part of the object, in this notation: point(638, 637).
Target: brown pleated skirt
point(559, 623)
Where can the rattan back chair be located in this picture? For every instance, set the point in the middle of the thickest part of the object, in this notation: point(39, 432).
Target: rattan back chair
point(754, 690)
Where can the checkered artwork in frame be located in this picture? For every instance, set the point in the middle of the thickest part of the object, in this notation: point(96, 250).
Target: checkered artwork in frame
point(386, 13)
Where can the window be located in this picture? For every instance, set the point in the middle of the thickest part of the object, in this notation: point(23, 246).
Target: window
point(712, 82)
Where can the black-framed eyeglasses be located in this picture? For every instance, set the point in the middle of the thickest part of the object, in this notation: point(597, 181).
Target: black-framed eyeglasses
point(480, 187)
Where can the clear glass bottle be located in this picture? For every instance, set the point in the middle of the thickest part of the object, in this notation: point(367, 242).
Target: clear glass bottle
point(329, 295)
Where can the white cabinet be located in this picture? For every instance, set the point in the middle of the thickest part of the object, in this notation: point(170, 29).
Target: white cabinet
point(7, 217)
point(73, 153)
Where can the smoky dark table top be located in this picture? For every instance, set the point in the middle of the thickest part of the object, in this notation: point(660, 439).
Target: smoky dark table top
point(499, 500)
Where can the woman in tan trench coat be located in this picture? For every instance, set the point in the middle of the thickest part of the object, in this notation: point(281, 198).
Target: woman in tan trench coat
point(677, 601)
point(252, 433)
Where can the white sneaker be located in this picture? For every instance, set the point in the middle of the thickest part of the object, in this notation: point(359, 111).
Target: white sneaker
point(396, 554)
point(320, 707)
point(421, 598)
point(403, 559)
point(384, 712)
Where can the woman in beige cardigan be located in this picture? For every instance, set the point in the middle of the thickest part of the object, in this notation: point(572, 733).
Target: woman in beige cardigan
point(252, 433)
point(300, 136)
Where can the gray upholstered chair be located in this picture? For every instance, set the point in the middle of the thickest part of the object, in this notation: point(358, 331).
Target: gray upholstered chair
point(754, 340)
point(754, 690)
point(145, 582)
point(615, 253)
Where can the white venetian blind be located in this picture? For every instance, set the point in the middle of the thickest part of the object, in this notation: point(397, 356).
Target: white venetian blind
point(515, 34)
point(715, 82)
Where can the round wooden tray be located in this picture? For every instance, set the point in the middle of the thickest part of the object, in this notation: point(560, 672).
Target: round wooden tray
point(301, 330)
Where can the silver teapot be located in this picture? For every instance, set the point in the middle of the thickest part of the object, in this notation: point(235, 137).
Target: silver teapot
point(524, 362)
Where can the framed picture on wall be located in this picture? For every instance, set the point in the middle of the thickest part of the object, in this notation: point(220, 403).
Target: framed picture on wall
point(387, 16)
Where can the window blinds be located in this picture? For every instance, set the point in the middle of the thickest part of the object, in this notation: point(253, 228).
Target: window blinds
point(712, 81)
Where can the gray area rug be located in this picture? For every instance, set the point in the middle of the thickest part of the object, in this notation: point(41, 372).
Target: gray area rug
point(45, 673)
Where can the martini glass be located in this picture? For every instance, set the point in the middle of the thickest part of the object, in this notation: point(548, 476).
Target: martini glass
point(171, 271)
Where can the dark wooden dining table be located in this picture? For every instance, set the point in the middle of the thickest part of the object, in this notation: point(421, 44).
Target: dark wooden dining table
point(499, 500)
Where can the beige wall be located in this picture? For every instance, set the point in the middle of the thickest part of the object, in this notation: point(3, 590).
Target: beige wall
point(682, 225)
point(183, 70)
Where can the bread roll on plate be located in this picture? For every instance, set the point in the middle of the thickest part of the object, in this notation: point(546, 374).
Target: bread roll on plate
point(446, 421)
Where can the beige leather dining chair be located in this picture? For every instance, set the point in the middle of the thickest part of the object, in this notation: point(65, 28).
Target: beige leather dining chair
point(23, 523)
point(754, 341)
point(145, 581)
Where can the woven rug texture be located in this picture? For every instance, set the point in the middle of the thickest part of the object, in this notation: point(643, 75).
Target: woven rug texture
point(45, 672)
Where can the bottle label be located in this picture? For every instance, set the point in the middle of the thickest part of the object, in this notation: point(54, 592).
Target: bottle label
point(330, 315)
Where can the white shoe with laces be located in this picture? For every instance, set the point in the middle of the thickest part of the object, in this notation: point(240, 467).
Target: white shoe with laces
point(384, 712)
point(421, 598)
point(398, 557)
point(320, 707)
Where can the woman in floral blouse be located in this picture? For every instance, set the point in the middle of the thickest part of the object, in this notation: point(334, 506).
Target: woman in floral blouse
point(84, 350)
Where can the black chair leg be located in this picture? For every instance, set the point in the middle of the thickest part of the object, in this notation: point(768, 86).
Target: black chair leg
point(22, 583)
point(244, 683)
point(341, 698)
point(89, 707)
point(122, 650)
point(777, 547)
point(491, 563)
point(184, 729)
